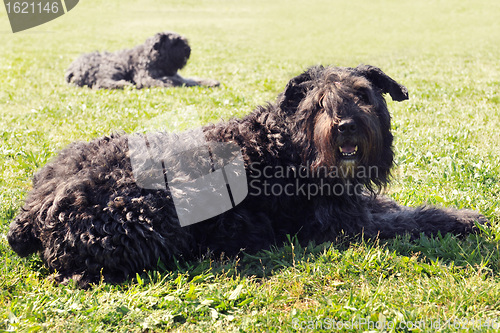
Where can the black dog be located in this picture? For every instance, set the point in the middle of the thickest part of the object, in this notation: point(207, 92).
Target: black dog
point(152, 64)
point(313, 161)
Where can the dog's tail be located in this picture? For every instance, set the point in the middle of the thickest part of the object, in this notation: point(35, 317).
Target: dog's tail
point(21, 237)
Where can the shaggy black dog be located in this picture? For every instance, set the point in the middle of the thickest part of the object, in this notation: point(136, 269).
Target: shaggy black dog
point(312, 164)
point(152, 64)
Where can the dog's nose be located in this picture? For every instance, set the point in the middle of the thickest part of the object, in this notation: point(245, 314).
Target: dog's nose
point(348, 126)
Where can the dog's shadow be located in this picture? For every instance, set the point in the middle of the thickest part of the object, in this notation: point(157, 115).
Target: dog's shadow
point(374, 256)
point(349, 255)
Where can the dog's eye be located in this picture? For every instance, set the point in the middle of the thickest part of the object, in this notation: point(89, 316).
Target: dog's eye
point(363, 96)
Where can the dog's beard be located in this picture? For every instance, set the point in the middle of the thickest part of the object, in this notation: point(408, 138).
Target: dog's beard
point(348, 168)
point(348, 158)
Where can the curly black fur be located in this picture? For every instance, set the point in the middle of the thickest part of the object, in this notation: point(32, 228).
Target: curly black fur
point(152, 64)
point(87, 216)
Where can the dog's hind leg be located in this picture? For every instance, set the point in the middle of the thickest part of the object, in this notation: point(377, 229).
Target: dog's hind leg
point(21, 236)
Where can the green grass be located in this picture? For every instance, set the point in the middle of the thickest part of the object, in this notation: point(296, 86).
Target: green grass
point(447, 145)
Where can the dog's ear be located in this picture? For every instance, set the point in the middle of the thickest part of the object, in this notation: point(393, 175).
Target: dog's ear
point(382, 81)
point(297, 88)
point(159, 39)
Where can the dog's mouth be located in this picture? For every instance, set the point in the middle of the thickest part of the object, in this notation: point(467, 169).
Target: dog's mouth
point(348, 151)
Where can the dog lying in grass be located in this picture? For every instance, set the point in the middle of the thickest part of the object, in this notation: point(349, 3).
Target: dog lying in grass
point(313, 164)
point(152, 64)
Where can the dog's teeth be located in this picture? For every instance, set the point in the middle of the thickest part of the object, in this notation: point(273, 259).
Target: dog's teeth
point(349, 154)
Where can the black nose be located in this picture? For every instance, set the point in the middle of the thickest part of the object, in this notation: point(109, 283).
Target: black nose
point(348, 126)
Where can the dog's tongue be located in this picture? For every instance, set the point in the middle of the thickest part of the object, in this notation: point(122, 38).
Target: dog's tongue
point(347, 148)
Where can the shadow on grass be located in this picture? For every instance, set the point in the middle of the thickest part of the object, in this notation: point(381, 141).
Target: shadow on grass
point(345, 256)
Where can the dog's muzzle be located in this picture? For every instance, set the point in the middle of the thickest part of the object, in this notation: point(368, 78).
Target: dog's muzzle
point(347, 131)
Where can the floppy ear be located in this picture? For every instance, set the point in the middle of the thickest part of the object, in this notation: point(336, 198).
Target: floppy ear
point(382, 81)
point(158, 40)
point(297, 87)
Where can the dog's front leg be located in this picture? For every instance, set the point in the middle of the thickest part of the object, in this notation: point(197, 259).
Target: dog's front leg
point(389, 219)
point(177, 80)
point(111, 84)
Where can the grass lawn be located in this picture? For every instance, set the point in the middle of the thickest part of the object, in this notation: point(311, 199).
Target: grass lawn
point(447, 145)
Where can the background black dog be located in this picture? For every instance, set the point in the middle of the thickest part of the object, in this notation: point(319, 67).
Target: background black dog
point(152, 64)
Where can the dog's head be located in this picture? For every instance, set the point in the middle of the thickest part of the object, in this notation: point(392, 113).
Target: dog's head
point(168, 51)
point(341, 120)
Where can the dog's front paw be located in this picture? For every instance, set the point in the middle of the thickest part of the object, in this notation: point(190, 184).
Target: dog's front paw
point(206, 82)
point(470, 218)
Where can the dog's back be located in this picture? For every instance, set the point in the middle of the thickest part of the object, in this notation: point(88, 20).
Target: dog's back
point(83, 71)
